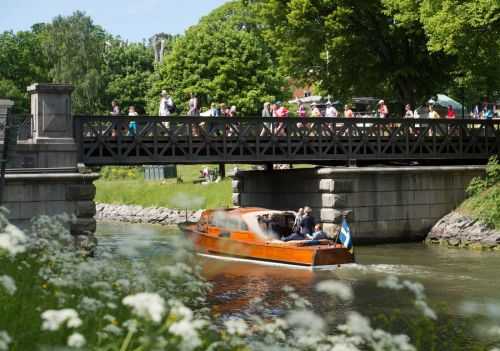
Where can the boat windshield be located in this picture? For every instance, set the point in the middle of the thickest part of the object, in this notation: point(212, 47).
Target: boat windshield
point(270, 224)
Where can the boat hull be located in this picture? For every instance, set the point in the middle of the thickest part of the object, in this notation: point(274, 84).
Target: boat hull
point(271, 251)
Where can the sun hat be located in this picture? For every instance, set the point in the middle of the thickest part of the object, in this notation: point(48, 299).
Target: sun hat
point(381, 102)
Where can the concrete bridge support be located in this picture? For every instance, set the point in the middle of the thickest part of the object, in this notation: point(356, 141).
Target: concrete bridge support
point(383, 204)
point(42, 175)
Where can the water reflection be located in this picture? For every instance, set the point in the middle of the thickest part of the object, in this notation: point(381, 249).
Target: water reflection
point(450, 276)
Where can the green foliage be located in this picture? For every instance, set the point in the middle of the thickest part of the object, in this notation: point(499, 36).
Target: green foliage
point(354, 47)
point(484, 201)
point(21, 63)
point(222, 59)
point(128, 70)
point(467, 32)
point(121, 173)
point(75, 46)
point(492, 177)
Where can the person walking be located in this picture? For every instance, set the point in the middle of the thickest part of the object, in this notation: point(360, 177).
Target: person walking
point(167, 106)
point(408, 111)
point(193, 106)
point(132, 125)
point(301, 111)
point(451, 113)
point(348, 112)
point(115, 111)
point(266, 113)
point(383, 110)
point(115, 108)
point(316, 112)
point(331, 111)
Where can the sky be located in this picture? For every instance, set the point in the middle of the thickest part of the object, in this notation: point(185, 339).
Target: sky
point(132, 20)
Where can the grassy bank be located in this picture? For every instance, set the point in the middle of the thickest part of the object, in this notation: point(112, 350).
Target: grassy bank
point(484, 201)
point(164, 194)
point(126, 186)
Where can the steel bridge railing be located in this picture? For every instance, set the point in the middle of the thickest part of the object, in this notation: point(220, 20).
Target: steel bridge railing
point(123, 140)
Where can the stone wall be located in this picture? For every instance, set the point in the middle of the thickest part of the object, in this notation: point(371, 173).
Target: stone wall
point(383, 204)
point(29, 195)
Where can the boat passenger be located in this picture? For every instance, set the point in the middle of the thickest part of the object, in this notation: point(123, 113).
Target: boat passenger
point(307, 223)
point(298, 219)
point(318, 234)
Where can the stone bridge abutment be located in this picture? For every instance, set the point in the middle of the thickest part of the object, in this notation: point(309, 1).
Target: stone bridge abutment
point(383, 204)
point(42, 176)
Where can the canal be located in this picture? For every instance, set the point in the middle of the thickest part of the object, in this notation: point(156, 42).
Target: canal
point(451, 276)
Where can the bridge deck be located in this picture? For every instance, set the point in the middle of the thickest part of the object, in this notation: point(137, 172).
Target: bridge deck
point(190, 140)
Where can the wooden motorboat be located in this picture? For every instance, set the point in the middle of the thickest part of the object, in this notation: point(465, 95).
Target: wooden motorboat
point(253, 233)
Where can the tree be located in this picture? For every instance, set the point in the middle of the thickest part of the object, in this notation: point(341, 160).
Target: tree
point(128, 73)
point(222, 59)
point(353, 47)
point(21, 64)
point(468, 30)
point(75, 47)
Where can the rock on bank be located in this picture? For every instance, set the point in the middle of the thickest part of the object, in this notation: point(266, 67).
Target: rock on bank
point(458, 230)
point(147, 215)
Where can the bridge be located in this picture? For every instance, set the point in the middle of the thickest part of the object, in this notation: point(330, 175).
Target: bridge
point(389, 201)
point(107, 140)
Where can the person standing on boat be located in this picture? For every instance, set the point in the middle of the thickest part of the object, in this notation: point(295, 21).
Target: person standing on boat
point(298, 219)
point(306, 227)
point(307, 223)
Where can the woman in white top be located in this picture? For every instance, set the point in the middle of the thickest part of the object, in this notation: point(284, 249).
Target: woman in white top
point(165, 102)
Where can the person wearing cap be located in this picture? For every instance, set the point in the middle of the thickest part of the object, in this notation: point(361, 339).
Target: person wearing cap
point(383, 111)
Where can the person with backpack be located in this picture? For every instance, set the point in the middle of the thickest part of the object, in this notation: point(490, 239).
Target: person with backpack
point(167, 105)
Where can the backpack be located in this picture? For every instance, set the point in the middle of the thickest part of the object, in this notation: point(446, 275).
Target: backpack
point(171, 107)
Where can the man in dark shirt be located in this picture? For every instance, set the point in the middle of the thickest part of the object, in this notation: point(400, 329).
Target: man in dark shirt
point(306, 227)
point(307, 223)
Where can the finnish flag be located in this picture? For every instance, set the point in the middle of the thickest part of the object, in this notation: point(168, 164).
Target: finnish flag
point(345, 235)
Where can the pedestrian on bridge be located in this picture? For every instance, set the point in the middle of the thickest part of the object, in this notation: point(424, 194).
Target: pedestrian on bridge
point(167, 107)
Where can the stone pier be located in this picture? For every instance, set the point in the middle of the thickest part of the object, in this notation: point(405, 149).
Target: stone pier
point(42, 175)
point(382, 204)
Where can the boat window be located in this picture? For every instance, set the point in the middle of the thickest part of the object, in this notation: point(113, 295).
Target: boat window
point(228, 222)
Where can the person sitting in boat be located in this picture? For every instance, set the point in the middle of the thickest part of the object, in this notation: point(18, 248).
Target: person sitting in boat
point(318, 234)
point(306, 227)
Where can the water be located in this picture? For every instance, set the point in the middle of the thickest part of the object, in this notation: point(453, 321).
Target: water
point(450, 276)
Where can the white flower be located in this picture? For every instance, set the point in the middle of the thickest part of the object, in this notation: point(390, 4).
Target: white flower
point(147, 305)
point(306, 320)
point(5, 340)
point(13, 240)
point(8, 284)
point(332, 287)
point(54, 319)
point(356, 324)
point(236, 326)
point(76, 340)
point(425, 309)
point(185, 326)
point(113, 329)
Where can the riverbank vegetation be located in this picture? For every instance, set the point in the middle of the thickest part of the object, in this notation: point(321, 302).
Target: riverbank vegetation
point(484, 201)
point(126, 186)
point(53, 295)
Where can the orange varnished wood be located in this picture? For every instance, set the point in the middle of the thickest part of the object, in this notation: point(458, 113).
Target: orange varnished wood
point(246, 244)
